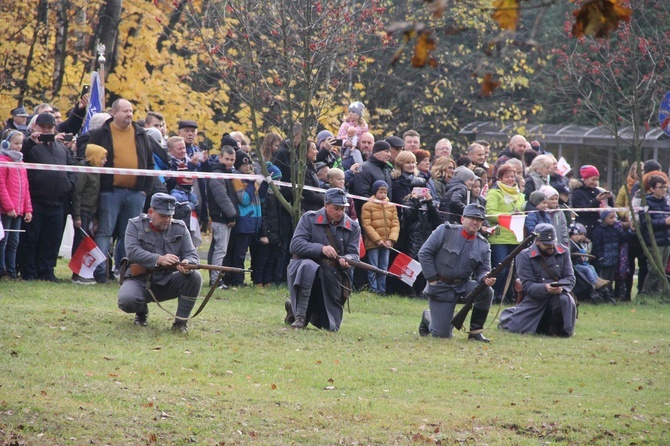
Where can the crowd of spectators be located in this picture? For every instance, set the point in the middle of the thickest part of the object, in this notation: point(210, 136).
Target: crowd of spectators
point(410, 191)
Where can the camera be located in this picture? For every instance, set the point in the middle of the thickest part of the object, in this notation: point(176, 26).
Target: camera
point(47, 137)
point(68, 137)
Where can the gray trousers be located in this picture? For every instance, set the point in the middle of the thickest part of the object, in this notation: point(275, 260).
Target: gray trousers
point(220, 239)
point(133, 295)
point(441, 312)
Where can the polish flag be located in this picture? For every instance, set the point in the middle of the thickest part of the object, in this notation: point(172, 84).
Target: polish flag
point(86, 258)
point(406, 267)
point(196, 235)
point(514, 223)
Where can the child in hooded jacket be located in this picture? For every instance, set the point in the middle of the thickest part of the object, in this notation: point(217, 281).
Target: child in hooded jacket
point(15, 204)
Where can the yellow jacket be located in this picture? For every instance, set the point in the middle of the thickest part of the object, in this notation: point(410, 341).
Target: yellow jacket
point(379, 222)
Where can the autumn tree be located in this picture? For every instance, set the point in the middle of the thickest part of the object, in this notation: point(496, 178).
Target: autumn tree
point(284, 62)
point(617, 83)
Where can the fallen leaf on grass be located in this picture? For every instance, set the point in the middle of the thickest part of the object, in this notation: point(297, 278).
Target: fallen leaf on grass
point(157, 348)
point(329, 388)
point(570, 390)
point(331, 380)
point(151, 438)
point(43, 392)
point(273, 386)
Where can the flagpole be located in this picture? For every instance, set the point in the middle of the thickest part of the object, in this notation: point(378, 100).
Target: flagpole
point(101, 61)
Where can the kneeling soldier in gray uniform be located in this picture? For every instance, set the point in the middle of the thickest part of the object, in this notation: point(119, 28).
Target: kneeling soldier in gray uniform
point(449, 258)
point(318, 281)
point(155, 240)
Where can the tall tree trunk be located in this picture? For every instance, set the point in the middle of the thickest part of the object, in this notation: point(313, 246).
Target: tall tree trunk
point(107, 32)
point(60, 52)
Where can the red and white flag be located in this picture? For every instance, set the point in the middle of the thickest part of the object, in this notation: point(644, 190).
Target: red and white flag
point(194, 224)
point(406, 267)
point(514, 223)
point(361, 248)
point(86, 258)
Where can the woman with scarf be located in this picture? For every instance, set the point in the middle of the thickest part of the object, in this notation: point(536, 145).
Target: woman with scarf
point(503, 198)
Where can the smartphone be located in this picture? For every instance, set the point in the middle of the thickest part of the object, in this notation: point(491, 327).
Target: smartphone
point(47, 137)
point(85, 89)
point(559, 284)
point(68, 137)
point(337, 142)
point(419, 191)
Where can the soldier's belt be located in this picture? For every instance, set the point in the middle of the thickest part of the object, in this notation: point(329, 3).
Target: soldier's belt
point(329, 262)
point(450, 281)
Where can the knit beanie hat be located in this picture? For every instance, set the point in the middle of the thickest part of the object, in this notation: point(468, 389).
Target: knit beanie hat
point(605, 212)
point(537, 197)
point(588, 171)
point(548, 191)
point(381, 146)
point(357, 107)
point(576, 228)
point(464, 174)
point(155, 134)
point(321, 136)
point(227, 140)
point(241, 157)
point(377, 184)
point(651, 166)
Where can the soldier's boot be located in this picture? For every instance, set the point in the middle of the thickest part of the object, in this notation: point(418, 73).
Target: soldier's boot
point(424, 325)
point(299, 323)
point(141, 319)
point(180, 326)
point(477, 321)
point(290, 318)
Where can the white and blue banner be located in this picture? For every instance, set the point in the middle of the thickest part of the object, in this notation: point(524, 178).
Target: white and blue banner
point(96, 100)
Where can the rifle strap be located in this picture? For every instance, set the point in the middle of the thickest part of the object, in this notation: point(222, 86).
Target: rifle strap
point(200, 308)
point(346, 291)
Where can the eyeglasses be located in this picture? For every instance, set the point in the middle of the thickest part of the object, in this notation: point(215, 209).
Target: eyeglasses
point(664, 187)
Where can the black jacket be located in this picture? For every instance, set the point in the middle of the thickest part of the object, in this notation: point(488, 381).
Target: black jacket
point(272, 215)
point(311, 200)
point(454, 200)
point(221, 197)
point(585, 197)
point(47, 187)
point(419, 221)
point(403, 185)
point(371, 171)
point(145, 159)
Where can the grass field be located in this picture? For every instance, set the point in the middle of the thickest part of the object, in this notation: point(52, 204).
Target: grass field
point(76, 371)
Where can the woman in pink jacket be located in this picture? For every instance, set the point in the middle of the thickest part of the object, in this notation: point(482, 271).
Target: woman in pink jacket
point(15, 202)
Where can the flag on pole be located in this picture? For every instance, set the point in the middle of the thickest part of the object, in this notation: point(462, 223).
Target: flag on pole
point(361, 248)
point(514, 223)
point(86, 258)
point(562, 168)
point(406, 267)
point(97, 95)
point(194, 224)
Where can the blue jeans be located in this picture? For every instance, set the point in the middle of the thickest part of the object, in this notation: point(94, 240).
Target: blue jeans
point(378, 257)
point(498, 254)
point(9, 244)
point(115, 208)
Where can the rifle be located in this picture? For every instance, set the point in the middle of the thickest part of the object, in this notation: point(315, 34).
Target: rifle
point(138, 270)
point(457, 321)
point(367, 267)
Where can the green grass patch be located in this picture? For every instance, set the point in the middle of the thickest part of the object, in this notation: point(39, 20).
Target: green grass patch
point(76, 371)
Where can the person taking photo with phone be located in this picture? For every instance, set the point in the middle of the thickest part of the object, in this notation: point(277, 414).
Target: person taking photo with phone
point(49, 191)
point(547, 277)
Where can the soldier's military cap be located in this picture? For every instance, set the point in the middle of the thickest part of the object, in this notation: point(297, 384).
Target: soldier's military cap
point(163, 203)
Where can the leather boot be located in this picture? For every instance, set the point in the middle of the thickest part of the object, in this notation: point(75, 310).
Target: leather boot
point(477, 321)
point(289, 319)
point(424, 325)
point(141, 319)
point(299, 322)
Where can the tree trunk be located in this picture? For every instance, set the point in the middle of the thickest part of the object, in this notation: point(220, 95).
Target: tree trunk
point(60, 52)
point(107, 32)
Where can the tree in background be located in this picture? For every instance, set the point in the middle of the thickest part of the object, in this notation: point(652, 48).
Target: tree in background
point(284, 62)
point(617, 83)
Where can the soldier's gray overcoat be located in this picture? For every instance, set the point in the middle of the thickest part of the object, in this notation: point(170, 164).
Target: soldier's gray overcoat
point(307, 269)
point(526, 316)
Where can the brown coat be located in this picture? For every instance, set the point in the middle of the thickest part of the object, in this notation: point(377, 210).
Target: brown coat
point(379, 222)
